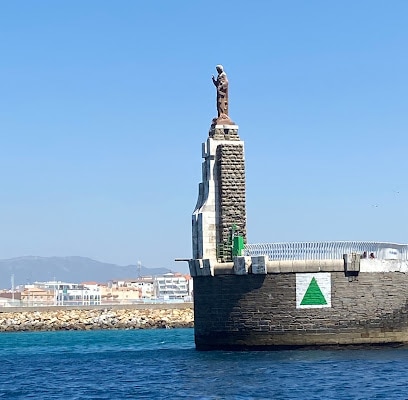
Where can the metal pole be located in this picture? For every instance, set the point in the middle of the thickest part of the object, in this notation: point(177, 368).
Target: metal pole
point(12, 288)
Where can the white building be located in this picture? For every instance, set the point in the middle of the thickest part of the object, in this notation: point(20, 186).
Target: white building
point(73, 294)
point(173, 287)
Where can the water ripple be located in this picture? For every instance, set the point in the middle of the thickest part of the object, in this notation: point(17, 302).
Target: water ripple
point(163, 364)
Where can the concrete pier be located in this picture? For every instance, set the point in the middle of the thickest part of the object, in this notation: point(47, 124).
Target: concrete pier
point(283, 295)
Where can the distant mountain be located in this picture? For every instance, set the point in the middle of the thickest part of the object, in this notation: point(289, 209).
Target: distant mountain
point(68, 269)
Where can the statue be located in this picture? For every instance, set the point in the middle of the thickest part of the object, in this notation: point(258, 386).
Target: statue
point(221, 83)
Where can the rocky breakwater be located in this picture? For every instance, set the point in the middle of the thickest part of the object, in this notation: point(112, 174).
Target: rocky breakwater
point(89, 319)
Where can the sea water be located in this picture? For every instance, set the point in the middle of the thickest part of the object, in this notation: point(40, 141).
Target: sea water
point(163, 364)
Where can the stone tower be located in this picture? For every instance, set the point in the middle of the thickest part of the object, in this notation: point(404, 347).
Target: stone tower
point(220, 213)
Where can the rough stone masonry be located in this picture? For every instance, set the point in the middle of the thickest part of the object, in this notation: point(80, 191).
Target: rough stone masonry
point(71, 318)
point(220, 209)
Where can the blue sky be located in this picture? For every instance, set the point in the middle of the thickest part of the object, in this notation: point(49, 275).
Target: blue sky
point(104, 106)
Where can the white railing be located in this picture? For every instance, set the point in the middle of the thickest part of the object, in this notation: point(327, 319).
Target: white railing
point(326, 250)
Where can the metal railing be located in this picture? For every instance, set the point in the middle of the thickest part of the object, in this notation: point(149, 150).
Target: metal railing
point(326, 250)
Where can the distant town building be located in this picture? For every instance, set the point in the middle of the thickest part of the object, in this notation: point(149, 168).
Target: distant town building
point(73, 294)
point(119, 295)
point(35, 296)
point(173, 287)
point(143, 284)
point(168, 287)
point(10, 298)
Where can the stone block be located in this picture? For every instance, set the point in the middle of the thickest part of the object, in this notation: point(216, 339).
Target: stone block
point(208, 268)
point(194, 266)
point(259, 265)
point(242, 265)
point(352, 262)
point(200, 267)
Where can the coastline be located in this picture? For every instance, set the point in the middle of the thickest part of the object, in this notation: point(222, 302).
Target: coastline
point(138, 316)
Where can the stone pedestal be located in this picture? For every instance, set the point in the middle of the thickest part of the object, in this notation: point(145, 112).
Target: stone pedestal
point(221, 200)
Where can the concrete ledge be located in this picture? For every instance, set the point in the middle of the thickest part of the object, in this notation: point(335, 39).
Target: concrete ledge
point(298, 266)
point(226, 126)
point(377, 265)
point(262, 265)
point(226, 268)
point(245, 265)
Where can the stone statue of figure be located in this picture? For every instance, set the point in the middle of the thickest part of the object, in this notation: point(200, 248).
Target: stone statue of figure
point(221, 83)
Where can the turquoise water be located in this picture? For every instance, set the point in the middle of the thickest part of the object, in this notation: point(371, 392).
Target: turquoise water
point(163, 364)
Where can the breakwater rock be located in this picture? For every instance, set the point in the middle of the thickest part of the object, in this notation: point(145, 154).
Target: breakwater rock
point(96, 318)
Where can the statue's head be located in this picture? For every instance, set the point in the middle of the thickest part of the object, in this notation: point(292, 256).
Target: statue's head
point(219, 68)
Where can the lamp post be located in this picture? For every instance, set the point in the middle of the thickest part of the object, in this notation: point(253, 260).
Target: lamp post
point(12, 288)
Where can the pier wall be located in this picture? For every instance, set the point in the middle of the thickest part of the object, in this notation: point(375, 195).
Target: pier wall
point(270, 311)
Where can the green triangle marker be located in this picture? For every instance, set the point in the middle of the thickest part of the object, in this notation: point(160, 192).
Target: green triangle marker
point(313, 295)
